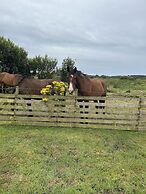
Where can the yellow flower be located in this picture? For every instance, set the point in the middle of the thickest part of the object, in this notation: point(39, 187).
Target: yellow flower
point(43, 91)
point(54, 82)
point(62, 84)
point(45, 99)
point(49, 86)
point(57, 88)
point(62, 89)
point(47, 90)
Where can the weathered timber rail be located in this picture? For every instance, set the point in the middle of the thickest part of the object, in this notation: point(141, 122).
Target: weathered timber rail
point(128, 113)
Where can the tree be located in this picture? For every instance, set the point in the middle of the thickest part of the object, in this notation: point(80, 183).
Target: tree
point(42, 67)
point(66, 62)
point(13, 59)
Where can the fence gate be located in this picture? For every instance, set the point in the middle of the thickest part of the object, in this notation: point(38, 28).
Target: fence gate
point(113, 112)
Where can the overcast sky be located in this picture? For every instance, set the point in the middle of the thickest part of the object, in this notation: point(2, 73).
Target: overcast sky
point(105, 37)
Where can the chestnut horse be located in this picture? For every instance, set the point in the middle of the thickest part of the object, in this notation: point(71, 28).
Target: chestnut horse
point(26, 85)
point(10, 79)
point(85, 85)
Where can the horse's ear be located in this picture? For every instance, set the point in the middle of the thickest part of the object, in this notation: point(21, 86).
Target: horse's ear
point(75, 70)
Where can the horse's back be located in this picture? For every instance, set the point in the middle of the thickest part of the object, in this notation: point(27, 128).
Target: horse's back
point(2, 75)
point(33, 86)
point(98, 87)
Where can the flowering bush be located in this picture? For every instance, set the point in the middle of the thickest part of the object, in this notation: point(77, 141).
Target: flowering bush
point(56, 88)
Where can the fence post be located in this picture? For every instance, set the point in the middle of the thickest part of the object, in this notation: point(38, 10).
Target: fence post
point(17, 90)
point(15, 101)
point(138, 114)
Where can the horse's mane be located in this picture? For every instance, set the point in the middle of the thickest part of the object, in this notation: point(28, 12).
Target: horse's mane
point(79, 73)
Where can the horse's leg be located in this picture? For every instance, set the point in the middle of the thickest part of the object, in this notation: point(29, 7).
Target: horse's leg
point(102, 107)
point(83, 110)
point(86, 110)
point(2, 88)
point(99, 106)
point(96, 106)
point(29, 105)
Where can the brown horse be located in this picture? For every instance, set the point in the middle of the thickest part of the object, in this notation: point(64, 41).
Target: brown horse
point(26, 85)
point(85, 85)
point(33, 86)
point(10, 79)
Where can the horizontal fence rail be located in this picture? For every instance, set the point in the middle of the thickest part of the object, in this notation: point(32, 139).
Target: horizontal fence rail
point(128, 113)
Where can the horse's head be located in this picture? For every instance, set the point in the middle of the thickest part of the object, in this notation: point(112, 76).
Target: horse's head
point(78, 80)
point(72, 80)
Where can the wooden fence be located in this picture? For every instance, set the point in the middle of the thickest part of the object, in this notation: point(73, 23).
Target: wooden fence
point(128, 113)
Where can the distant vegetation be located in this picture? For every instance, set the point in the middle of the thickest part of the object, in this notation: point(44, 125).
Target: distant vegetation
point(130, 85)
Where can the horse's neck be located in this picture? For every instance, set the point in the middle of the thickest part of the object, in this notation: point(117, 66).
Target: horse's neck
point(82, 83)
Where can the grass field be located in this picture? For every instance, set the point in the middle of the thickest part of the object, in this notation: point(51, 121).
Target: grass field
point(133, 86)
point(38, 160)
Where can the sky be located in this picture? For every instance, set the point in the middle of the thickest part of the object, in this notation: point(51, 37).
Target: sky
point(104, 37)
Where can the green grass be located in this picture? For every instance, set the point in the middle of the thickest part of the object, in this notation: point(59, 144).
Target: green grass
point(38, 160)
point(133, 86)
